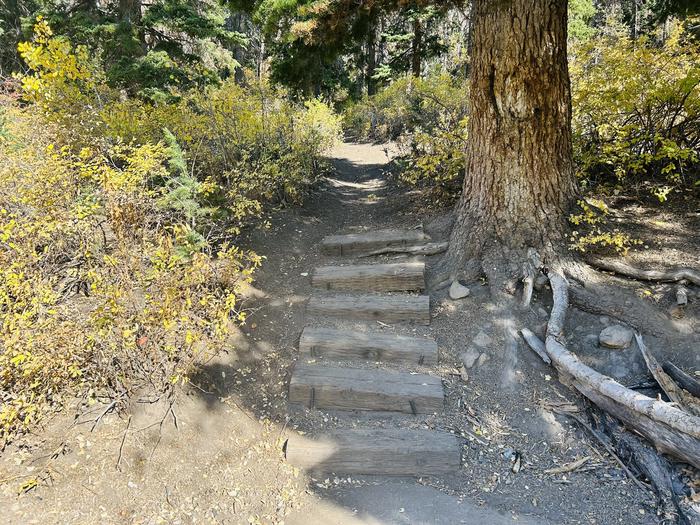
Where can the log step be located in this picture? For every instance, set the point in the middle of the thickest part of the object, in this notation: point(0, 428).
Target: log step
point(387, 452)
point(388, 308)
point(375, 346)
point(366, 243)
point(371, 277)
point(365, 389)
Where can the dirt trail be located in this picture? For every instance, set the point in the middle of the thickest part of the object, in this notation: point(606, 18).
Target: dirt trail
point(223, 461)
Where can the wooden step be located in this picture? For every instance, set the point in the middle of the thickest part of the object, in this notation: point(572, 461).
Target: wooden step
point(375, 346)
point(388, 452)
point(329, 387)
point(366, 243)
point(371, 277)
point(387, 308)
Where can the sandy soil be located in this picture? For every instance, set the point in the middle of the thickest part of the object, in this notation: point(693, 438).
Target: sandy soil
point(216, 457)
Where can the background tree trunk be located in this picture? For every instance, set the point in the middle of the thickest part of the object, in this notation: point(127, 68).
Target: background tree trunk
point(416, 47)
point(519, 179)
point(371, 55)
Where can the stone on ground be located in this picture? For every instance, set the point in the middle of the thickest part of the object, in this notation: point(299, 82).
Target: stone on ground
point(469, 357)
point(482, 339)
point(458, 291)
point(483, 358)
point(616, 336)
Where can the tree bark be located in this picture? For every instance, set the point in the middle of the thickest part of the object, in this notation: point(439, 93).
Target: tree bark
point(519, 179)
point(371, 55)
point(416, 47)
point(130, 13)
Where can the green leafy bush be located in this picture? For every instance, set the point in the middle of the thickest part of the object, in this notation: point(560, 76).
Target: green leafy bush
point(428, 119)
point(637, 112)
point(119, 263)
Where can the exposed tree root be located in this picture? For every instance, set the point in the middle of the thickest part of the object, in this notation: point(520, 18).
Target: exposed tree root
point(536, 344)
point(620, 268)
point(670, 429)
point(589, 296)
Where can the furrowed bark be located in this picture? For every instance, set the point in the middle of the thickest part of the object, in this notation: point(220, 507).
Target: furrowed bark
point(519, 178)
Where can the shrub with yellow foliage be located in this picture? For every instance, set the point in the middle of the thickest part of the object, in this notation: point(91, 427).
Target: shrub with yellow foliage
point(119, 267)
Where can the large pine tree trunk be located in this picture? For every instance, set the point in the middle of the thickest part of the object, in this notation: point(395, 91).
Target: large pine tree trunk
point(519, 179)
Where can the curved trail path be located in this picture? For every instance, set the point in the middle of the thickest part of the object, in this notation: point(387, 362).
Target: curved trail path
point(380, 387)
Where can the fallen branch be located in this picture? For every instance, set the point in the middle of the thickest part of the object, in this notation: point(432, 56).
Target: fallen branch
point(536, 344)
point(674, 393)
point(670, 429)
point(431, 248)
point(569, 467)
point(684, 380)
point(626, 270)
point(121, 445)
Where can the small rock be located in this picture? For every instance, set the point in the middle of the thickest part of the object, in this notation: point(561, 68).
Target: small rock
point(482, 339)
point(615, 336)
point(540, 282)
point(469, 357)
point(542, 312)
point(304, 274)
point(681, 296)
point(483, 358)
point(458, 291)
point(463, 374)
point(605, 320)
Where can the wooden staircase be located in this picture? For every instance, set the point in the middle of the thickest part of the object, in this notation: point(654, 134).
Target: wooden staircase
point(322, 378)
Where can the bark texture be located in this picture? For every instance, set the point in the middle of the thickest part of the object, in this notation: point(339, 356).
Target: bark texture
point(519, 179)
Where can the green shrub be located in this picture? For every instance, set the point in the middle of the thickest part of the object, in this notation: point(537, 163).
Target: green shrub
point(428, 119)
point(119, 266)
point(637, 112)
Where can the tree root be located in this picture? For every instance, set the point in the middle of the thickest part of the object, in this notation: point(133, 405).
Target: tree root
point(620, 268)
point(683, 399)
point(670, 429)
point(685, 381)
point(536, 344)
point(589, 296)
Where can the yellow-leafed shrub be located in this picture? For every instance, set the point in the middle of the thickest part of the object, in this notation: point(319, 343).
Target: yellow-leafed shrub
point(637, 111)
point(119, 262)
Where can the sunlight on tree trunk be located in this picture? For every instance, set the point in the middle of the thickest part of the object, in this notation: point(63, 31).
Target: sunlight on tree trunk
point(519, 178)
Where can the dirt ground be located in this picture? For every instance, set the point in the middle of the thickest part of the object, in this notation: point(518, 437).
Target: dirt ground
point(214, 453)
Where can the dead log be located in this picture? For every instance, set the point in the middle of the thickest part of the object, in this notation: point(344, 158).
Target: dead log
point(620, 268)
point(654, 467)
point(670, 429)
point(673, 391)
point(536, 344)
point(684, 380)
